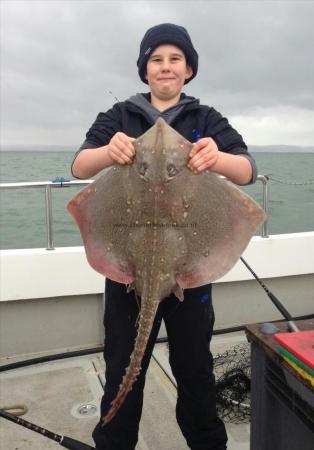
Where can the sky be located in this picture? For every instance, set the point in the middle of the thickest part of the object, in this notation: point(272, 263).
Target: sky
point(63, 61)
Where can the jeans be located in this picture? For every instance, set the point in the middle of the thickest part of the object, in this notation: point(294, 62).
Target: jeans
point(189, 326)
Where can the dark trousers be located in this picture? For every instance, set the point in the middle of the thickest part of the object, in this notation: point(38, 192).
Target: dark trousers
point(189, 327)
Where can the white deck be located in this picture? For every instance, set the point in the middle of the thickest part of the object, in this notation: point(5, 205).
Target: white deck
point(54, 391)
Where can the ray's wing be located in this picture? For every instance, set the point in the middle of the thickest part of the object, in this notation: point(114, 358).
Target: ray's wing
point(102, 213)
point(219, 222)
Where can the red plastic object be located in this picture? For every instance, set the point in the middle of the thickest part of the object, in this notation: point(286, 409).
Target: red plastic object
point(300, 344)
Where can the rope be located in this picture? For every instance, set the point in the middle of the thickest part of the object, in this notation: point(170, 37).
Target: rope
point(17, 410)
point(291, 183)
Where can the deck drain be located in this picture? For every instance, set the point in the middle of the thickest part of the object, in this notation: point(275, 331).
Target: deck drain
point(87, 410)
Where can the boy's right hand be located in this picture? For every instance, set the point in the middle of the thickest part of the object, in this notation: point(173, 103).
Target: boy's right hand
point(121, 149)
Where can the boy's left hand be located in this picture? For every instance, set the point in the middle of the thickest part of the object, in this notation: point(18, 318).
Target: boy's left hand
point(203, 155)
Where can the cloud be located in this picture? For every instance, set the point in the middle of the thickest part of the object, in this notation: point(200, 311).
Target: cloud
point(277, 125)
point(60, 59)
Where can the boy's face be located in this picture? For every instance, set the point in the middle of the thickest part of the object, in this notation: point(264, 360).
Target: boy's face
point(167, 71)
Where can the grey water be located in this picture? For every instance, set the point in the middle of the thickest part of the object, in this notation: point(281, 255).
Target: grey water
point(22, 211)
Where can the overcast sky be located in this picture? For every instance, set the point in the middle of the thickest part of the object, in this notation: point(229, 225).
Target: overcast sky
point(61, 59)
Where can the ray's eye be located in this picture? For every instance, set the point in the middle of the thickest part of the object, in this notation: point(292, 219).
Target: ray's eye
point(172, 170)
point(143, 168)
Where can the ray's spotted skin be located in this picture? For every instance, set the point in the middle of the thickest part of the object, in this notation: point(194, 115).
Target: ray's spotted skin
point(160, 228)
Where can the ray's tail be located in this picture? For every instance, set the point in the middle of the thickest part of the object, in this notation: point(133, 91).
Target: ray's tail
point(147, 316)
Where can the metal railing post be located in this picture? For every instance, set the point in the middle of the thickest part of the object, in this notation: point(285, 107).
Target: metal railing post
point(48, 204)
point(264, 181)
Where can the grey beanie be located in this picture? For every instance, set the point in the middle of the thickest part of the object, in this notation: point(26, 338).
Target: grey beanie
point(166, 33)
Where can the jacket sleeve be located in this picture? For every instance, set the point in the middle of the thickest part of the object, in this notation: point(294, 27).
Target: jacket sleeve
point(228, 139)
point(103, 129)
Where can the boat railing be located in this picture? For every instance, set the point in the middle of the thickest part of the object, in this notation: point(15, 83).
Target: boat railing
point(61, 183)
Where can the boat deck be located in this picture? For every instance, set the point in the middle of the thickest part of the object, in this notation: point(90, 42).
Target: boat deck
point(54, 392)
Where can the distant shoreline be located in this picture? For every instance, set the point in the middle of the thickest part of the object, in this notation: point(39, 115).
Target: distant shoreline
point(252, 148)
point(281, 149)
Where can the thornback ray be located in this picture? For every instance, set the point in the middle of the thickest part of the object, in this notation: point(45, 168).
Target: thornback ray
point(160, 228)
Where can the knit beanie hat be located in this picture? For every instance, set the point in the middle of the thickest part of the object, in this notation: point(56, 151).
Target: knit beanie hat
point(166, 33)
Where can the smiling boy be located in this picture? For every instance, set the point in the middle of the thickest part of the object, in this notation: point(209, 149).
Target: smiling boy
point(166, 62)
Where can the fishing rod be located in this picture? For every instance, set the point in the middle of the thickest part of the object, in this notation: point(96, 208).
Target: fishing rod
point(64, 441)
point(273, 298)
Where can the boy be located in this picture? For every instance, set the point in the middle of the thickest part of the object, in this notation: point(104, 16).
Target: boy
point(166, 62)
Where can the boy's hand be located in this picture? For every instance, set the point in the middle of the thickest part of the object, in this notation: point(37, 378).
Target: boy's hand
point(121, 149)
point(203, 155)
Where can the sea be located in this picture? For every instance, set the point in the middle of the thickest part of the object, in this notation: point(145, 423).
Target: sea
point(22, 211)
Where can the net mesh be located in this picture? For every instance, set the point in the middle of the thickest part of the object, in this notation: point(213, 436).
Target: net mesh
point(232, 370)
